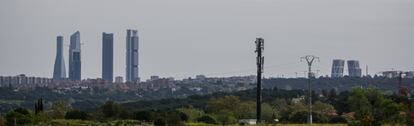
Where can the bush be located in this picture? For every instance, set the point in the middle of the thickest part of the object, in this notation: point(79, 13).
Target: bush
point(207, 119)
point(144, 116)
point(338, 119)
point(76, 114)
point(160, 122)
point(21, 119)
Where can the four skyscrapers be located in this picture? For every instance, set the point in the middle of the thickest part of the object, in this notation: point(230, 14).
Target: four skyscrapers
point(132, 42)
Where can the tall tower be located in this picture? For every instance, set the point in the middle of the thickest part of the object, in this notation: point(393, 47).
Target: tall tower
point(59, 70)
point(75, 57)
point(353, 68)
point(107, 56)
point(132, 42)
point(338, 68)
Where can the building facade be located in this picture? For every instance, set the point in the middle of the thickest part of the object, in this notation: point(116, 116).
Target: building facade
point(337, 68)
point(75, 57)
point(353, 68)
point(107, 56)
point(132, 46)
point(59, 70)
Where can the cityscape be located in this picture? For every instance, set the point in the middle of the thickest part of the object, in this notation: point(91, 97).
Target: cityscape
point(187, 63)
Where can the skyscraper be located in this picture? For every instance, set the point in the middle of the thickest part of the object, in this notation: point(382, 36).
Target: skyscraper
point(353, 68)
point(75, 57)
point(132, 56)
point(59, 70)
point(338, 68)
point(107, 56)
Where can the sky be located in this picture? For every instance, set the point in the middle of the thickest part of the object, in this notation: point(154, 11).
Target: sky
point(184, 38)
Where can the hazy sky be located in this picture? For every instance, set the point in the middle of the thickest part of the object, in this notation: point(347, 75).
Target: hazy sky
point(182, 38)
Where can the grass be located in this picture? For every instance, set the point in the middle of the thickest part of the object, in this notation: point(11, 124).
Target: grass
point(18, 102)
point(203, 124)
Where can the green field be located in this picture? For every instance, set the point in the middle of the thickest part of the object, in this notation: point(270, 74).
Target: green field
point(203, 124)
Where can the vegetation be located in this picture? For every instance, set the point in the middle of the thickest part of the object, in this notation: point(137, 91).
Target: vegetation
point(359, 107)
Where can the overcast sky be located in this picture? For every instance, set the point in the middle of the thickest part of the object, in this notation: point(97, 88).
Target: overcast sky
point(183, 38)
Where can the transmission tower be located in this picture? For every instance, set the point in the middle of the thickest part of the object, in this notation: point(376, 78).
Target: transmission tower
point(260, 61)
point(309, 59)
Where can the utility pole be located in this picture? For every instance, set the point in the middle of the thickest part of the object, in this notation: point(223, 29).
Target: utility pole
point(309, 59)
point(260, 61)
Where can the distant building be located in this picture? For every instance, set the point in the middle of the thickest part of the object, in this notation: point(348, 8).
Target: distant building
point(409, 74)
point(391, 74)
point(59, 70)
point(353, 68)
point(119, 79)
point(154, 77)
point(75, 57)
point(107, 56)
point(338, 68)
point(132, 42)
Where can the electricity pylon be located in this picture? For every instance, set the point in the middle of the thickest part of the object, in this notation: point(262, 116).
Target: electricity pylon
point(309, 59)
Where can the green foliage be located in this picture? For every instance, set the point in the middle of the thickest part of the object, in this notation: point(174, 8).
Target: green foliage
point(225, 117)
point(267, 113)
point(76, 114)
point(245, 110)
point(207, 119)
point(111, 109)
point(20, 116)
point(59, 109)
point(323, 108)
point(192, 113)
point(372, 108)
point(338, 119)
point(147, 116)
point(224, 103)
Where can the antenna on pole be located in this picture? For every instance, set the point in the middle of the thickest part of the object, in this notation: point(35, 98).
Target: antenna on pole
point(309, 59)
point(259, 62)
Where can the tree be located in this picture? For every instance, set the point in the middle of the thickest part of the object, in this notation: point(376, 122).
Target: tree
point(111, 109)
point(76, 114)
point(225, 103)
point(245, 110)
point(20, 116)
point(59, 109)
point(225, 117)
point(144, 116)
point(323, 108)
point(207, 119)
point(280, 107)
point(267, 113)
point(372, 108)
point(192, 113)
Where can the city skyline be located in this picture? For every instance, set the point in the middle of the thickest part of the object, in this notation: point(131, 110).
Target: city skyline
point(184, 38)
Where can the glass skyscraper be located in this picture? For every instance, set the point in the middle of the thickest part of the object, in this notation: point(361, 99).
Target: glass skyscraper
point(107, 56)
point(338, 68)
point(59, 70)
point(132, 42)
point(353, 68)
point(75, 57)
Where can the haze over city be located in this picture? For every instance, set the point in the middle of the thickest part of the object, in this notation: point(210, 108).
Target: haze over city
point(184, 38)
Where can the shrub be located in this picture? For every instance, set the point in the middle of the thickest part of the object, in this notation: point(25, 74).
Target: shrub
point(144, 116)
point(207, 119)
point(76, 114)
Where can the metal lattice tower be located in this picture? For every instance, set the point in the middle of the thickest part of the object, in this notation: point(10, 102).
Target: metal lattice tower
point(309, 59)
